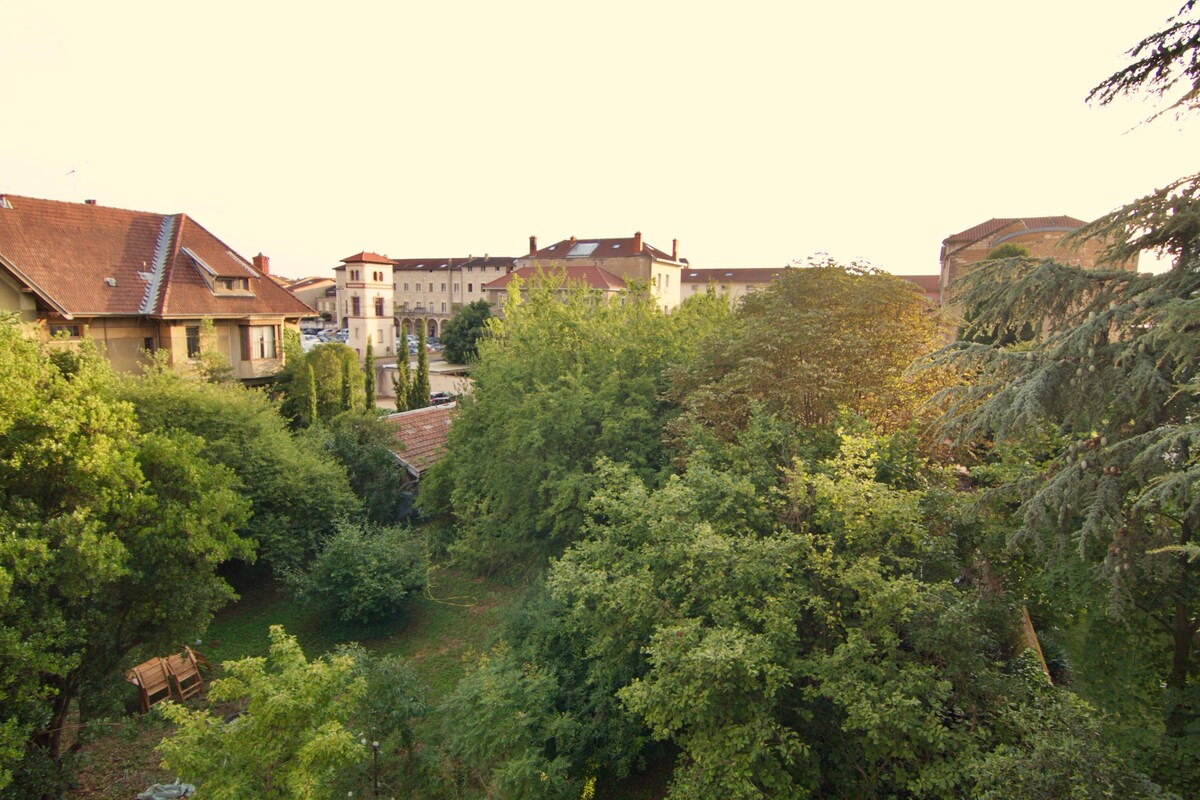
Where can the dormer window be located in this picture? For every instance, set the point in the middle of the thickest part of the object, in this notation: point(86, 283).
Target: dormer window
point(233, 284)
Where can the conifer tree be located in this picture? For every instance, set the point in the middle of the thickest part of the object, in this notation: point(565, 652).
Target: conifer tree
point(1114, 387)
point(418, 391)
point(311, 379)
point(401, 380)
point(369, 383)
point(347, 386)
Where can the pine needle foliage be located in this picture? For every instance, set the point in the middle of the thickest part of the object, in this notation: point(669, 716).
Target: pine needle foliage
point(1161, 62)
point(1115, 378)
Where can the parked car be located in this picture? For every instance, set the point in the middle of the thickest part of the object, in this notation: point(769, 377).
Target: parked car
point(308, 341)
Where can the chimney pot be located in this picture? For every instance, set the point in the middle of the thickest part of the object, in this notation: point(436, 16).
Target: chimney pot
point(262, 264)
point(89, 202)
point(637, 242)
point(532, 245)
point(674, 249)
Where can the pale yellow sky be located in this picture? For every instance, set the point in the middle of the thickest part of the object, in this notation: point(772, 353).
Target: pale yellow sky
point(754, 133)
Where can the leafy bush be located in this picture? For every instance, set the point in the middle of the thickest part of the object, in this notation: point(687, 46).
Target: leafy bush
point(365, 572)
point(291, 739)
point(362, 442)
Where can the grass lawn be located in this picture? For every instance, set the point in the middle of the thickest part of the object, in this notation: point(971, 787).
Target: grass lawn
point(453, 620)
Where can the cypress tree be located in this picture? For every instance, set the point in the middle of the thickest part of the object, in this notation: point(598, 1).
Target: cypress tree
point(369, 384)
point(418, 393)
point(347, 385)
point(400, 380)
point(311, 388)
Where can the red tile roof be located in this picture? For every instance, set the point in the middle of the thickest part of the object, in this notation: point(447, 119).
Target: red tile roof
point(743, 275)
point(983, 229)
point(930, 284)
point(443, 263)
point(427, 264)
point(89, 260)
point(592, 277)
point(422, 435)
point(605, 248)
point(304, 283)
point(366, 258)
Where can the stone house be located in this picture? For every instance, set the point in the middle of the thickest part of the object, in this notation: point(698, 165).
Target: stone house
point(138, 282)
point(630, 259)
point(1042, 237)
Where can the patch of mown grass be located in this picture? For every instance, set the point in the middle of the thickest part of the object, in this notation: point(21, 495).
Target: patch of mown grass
point(455, 617)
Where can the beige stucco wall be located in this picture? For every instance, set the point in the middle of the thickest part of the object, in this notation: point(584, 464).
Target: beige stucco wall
point(380, 329)
point(731, 289)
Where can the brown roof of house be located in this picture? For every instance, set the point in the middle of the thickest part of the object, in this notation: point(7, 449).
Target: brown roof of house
point(983, 229)
point(364, 257)
point(930, 284)
point(743, 275)
point(427, 264)
point(605, 248)
point(304, 283)
point(86, 259)
point(592, 277)
point(422, 435)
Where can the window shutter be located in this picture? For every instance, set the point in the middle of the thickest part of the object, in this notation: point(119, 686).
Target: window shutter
point(244, 330)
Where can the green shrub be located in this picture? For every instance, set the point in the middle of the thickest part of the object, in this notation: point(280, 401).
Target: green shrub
point(364, 572)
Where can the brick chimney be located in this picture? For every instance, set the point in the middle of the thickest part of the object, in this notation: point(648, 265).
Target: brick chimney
point(532, 245)
point(89, 202)
point(637, 242)
point(262, 264)
point(674, 249)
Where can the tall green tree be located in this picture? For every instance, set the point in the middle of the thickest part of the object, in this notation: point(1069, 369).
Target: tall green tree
point(369, 378)
point(98, 517)
point(418, 389)
point(818, 338)
point(310, 388)
point(401, 380)
point(295, 488)
point(363, 444)
point(330, 364)
point(347, 403)
point(1159, 64)
point(461, 335)
point(815, 637)
point(567, 377)
point(1112, 394)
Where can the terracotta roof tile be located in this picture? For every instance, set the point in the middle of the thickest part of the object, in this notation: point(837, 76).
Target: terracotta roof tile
point(422, 435)
point(983, 229)
point(93, 260)
point(719, 276)
point(930, 284)
point(605, 248)
point(366, 258)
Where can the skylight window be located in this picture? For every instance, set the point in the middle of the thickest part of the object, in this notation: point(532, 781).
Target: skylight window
point(583, 249)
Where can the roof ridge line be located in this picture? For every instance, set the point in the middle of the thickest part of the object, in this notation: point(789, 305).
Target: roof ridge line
point(166, 230)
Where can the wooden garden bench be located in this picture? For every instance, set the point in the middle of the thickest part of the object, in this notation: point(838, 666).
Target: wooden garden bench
point(153, 682)
point(185, 670)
